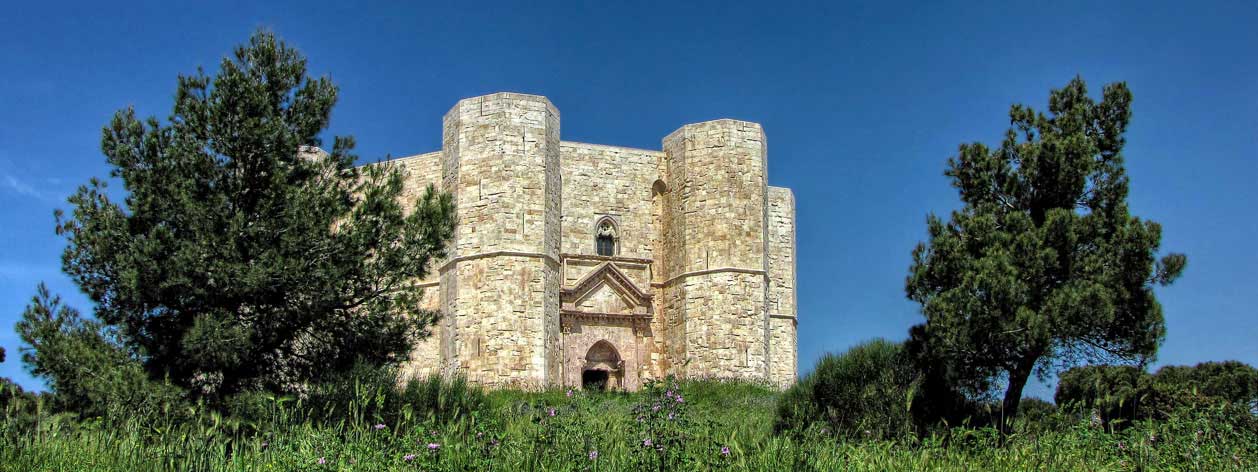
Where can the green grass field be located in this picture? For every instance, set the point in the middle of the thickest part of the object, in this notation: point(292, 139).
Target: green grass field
point(698, 426)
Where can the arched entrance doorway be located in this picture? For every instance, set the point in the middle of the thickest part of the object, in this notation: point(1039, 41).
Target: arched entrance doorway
point(603, 367)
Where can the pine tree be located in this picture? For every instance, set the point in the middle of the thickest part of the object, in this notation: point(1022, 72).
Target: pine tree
point(1043, 266)
point(237, 262)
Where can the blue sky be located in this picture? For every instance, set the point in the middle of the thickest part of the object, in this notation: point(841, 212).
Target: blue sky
point(862, 105)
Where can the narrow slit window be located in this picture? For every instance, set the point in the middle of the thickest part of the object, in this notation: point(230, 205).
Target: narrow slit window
point(605, 240)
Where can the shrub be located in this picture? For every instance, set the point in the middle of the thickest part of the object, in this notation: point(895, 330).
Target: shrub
point(1114, 393)
point(1120, 395)
point(1210, 382)
point(865, 392)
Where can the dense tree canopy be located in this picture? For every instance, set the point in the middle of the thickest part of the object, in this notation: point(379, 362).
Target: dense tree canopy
point(1044, 265)
point(236, 262)
point(1122, 394)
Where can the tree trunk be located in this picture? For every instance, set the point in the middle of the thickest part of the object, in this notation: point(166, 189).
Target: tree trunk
point(1013, 394)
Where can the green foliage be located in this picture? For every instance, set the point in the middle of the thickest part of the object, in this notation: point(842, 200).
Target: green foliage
point(237, 263)
point(1120, 395)
point(1115, 393)
point(864, 393)
point(516, 430)
point(1043, 265)
point(90, 372)
point(380, 398)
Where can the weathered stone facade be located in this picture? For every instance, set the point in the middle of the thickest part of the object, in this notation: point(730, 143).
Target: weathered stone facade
point(581, 264)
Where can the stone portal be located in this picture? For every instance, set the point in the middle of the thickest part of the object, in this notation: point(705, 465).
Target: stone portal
point(603, 367)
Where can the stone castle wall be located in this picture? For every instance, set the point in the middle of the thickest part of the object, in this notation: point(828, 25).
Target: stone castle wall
point(783, 349)
point(702, 282)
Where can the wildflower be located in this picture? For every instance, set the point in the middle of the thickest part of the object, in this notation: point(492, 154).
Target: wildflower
point(569, 393)
point(647, 442)
point(550, 411)
point(321, 461)
point(668, 394)
point(670, 416)
point(724, 450)
point(1153, 438)
point(265, 444)
point(480, 434)
point(493, 443)
point(379, 426)
point(655, 407)
point(433, 446)
point(594, 454)
point(408, 457)
point(679, 399)
point(1122, 446)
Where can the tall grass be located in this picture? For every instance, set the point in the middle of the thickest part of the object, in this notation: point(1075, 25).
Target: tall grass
point(696, 425)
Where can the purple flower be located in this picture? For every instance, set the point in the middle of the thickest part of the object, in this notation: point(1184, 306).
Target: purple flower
point(647, 442)
point(379, 426)
point(321, 461)
point(1122, 446)
point(570, 396)
point(668, 394)
point(670, 416)
point(594, 454)
point(724, 450)
point(408, 457)
point(433, 446)
point(655, 408)
point(680, 400)
point(550, 411)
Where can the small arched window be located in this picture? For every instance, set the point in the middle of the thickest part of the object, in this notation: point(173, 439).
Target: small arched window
point(605, 238)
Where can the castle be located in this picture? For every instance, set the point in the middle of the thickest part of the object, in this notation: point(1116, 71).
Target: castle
point(598, 266)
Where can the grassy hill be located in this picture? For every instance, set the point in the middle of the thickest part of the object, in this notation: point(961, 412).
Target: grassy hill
point(694, 425)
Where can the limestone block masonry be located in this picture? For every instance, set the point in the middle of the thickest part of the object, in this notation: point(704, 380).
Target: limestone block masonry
point(598, 266)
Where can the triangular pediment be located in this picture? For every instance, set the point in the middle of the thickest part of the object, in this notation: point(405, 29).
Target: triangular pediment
point(603, 278)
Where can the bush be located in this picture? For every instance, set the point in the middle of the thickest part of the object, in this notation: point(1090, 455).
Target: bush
point(1119, 395)
point(865, 392)
point(1210, 382)
point(1114, 393)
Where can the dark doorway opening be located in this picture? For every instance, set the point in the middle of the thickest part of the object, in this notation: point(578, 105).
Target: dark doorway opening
point(594, 380)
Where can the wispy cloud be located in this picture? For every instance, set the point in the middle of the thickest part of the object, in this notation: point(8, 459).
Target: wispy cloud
point(13, 184)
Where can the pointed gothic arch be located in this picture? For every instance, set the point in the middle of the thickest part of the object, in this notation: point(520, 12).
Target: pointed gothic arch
point(606, 236)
